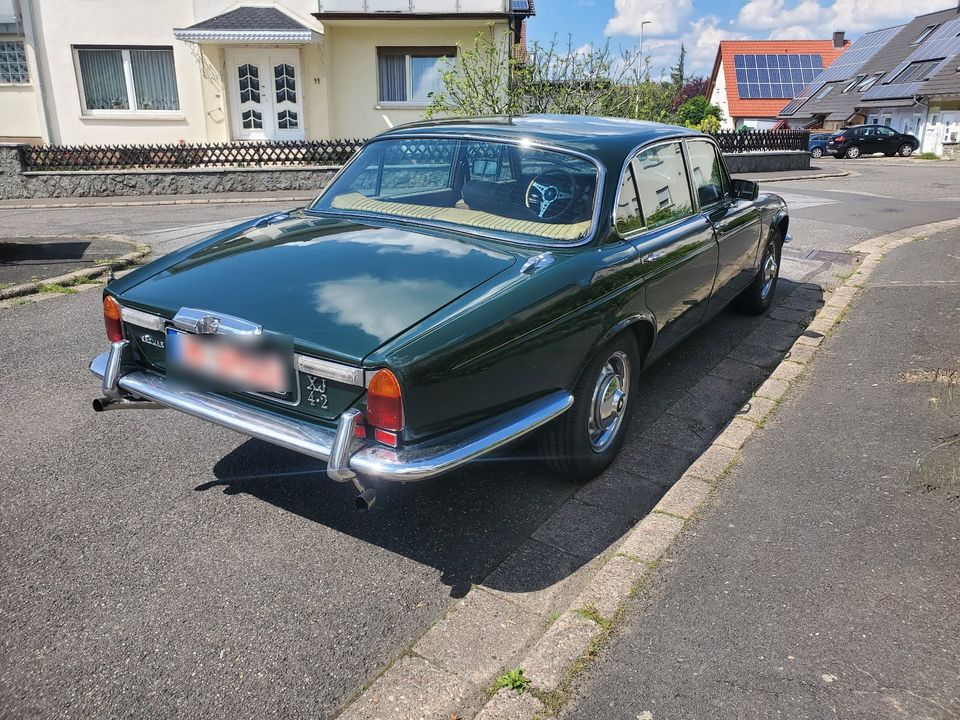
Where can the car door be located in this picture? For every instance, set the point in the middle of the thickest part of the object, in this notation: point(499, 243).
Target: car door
point(869, 140)
point(888, 141)
point(676, 245)
point(736, 222)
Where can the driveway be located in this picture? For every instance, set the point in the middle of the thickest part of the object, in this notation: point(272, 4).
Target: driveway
point(153, 565)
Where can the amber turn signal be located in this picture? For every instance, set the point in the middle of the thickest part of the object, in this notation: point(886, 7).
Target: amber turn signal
point(112, 319)
point(384, 402)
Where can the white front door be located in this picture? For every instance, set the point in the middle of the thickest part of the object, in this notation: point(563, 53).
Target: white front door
point(266, 94)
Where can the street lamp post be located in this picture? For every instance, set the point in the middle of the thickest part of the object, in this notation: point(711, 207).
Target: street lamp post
point(645, 22)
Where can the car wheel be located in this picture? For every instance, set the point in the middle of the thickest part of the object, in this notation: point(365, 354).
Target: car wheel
point(906, 150)
point(758, 296)
point(853, 152)
point(586, 439)
point(817, 152)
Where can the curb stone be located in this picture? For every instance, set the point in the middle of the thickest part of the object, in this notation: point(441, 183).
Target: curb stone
point(139, 202)
point(561, 648)
point(70, 278)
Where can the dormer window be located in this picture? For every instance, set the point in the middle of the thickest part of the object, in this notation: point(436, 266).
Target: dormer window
point(925, 34)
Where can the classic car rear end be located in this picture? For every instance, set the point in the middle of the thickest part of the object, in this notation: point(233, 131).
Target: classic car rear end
point(456, 287)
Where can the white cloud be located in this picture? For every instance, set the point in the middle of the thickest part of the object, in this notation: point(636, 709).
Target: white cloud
point(665, 16)
point(811, 19)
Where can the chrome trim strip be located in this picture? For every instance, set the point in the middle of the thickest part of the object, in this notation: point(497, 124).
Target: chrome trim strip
point(208, 322)
point(337, 372)
point(111, 370)
point(485, 234)
point(406, 464)
point(338, 467)
point(141, 318)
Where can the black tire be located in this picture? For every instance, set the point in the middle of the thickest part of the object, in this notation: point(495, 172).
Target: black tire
point(758, 296)
point(574, 446)
point(817, 152)
point(852, 152)
point(906, 150)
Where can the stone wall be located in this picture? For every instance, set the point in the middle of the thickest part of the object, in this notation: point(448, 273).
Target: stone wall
point(951, 151)
point(769, 161)
point(14, 183)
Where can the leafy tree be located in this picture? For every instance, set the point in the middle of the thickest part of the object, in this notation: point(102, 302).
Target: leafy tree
point(677, 71)
point(695, 110)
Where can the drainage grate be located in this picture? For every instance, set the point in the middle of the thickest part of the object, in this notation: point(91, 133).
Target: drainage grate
point(840, 258)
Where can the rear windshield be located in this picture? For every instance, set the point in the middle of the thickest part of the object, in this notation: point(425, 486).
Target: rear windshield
point(486, 186)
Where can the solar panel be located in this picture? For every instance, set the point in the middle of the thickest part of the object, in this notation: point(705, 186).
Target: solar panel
point(906, 79)
point(775, 76)
point(844, 66)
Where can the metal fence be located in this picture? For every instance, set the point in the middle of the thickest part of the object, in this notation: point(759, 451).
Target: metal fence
point(198, 156)
point(762, 140)
point(309, 152)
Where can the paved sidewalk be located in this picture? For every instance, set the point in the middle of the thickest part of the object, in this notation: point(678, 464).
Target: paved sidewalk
point(300, 196)
point(823, 582)
point(37, 258)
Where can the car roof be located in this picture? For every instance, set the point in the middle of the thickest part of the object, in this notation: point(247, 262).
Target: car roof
point(601, 137)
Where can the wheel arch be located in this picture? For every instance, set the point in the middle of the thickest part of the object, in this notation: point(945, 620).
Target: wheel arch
point(643, 329)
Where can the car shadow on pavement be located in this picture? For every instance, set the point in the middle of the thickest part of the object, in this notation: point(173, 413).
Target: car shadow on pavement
point(506, 520)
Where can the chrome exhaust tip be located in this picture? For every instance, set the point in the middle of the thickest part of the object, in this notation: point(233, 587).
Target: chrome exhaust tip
point(365, 500)
point(103, 404)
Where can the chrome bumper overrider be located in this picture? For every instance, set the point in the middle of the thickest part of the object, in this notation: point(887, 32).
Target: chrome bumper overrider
point(345, 455)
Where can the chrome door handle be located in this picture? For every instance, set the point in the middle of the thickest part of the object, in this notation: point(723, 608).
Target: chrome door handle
point(654, 256)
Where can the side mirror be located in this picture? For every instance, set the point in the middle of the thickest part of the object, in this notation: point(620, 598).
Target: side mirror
point(746, 189)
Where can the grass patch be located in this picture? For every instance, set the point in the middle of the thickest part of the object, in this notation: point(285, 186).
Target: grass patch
point(5, 285)
point(105, 261)
point(551, 618)
point(590, 613)
point(928, 156)
point(64, 288)
point(513, 679)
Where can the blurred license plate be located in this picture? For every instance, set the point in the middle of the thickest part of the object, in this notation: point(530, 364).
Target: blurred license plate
point(248, 365)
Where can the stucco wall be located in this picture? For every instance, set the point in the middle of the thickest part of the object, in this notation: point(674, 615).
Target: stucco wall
point(719, 98)
point(19, 112)
point(351, 57)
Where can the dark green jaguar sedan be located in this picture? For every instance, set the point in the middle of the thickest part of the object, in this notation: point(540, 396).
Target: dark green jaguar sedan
point(456, 286)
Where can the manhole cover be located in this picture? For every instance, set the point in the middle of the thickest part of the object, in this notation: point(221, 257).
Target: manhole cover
point(839, 258)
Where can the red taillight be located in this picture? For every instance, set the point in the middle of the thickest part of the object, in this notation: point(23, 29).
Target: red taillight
point(384, 402)
point(111, 319)
point(839, 138)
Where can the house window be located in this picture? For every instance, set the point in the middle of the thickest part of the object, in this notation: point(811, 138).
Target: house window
point(410, 75)
point(916, 71)
point(823, 93)
point(925, 34)
point(127, 79)
point(13, 63)
point(853, 83)
point(869, 82)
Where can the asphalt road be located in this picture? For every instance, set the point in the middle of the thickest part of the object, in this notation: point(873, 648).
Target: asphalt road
point(823, 581)
point(153, 565)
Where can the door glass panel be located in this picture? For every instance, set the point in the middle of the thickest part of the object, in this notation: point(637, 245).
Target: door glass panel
point(249, 76)
point(709, 178)
point(629, 217)
point(662, 183)
point(251, 120)
point(285, 83)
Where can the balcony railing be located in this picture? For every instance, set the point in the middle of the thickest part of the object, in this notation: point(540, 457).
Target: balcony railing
point(416, 7)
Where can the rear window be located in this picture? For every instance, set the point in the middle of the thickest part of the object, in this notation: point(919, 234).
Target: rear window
point(487, 186)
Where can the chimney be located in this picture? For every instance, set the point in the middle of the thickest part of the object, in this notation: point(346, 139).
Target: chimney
point(838, 39)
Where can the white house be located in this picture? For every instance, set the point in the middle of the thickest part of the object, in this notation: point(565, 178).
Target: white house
point(115, 71)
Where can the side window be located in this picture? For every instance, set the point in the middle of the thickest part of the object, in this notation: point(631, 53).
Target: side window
point(628, 217)
point(709, 177)
point(662, 185)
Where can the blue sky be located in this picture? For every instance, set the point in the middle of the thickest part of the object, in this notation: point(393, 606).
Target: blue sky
point(701, 24)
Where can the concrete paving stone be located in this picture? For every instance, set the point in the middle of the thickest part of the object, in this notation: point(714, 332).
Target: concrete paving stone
point(564, 642)
point(810, 337)
point(821, 326)
point(756, 409)
point(680, 432)
point(794, 315)
point(787, 371)
point(830, 312)
point(660, 464)
point(712, 401)
point(685, 497)
point(773, 389)
point(736, 433)
point(739, 371)
point(802, 301)
point(508, 704)
point(583, 530)
point(611, 587)
point(713, 463)
point(480, 636)
point(536, 576)
point(413, 689)
point(651, 537)
point(801, 352)
point(776, 334)
point(622, 488)
point(760, 355)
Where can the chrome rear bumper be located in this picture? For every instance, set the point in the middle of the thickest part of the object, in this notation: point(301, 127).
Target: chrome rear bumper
point(344, 453)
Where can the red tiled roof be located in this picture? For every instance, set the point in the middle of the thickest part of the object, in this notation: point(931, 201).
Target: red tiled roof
point(764, 107)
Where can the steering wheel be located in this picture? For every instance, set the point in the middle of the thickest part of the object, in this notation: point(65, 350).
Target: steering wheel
point(550, 194)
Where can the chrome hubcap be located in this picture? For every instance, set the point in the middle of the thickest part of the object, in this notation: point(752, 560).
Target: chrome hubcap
point(609, 401)
point(770, 269)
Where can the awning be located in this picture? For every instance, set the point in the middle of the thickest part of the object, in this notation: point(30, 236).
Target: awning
point(249, 25)
point(889, 102)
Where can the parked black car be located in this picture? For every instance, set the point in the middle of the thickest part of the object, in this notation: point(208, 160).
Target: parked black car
point(857, 140)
